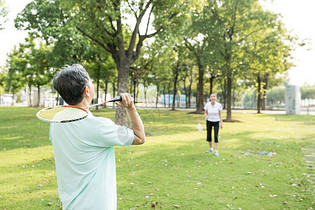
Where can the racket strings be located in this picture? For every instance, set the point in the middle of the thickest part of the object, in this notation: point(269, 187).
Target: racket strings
point(62, 114)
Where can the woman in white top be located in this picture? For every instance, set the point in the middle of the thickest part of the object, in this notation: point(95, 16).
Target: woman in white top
point(213, 117)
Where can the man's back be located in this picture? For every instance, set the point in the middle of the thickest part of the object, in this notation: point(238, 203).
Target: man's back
point(85, 161)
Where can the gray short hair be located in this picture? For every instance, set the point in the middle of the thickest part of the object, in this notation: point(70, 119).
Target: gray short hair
point(70, 83)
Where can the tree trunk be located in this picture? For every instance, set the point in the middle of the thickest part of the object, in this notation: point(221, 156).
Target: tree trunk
point(175, 84)
point(57, 99)
point(30, 94)
point(189, 94)
point(185, 90)
point(38, 95)
point(137, 92)
point(134, 91)
point(130, 88)
point(211, 84)
point(13, 96)
point(259, 94)
point(200, 87)
point(157, 95)
point(114, 92)
point(169, 96)
point(264, 94)
point(224, 93)
point(145, 93)
point(164, 96)
point(229, 98)
point(233, 98)
point(106, 88)
point(121, 114)
point(97, 85)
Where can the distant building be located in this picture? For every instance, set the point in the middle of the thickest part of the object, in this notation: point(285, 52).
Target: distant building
point(6, 99)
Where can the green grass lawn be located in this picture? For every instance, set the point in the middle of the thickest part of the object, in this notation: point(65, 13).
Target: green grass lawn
point(171, 170)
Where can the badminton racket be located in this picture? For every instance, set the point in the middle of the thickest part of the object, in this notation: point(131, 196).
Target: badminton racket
point(68, 113)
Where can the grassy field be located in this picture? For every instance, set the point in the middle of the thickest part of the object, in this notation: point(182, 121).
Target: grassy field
point(171, 170)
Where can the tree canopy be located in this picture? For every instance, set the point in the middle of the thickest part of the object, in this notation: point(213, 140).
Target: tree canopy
point(223, 45)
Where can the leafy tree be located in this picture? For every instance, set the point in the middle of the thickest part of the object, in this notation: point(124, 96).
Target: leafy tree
point(200, 41)
point(234, 22)
point(3, 77)
point(267, 55)
point(308, 92)
point(38, 68)
point(100, 66)
point(106, 24)
point(48, 20)
point(3, 13)
point(109, 31)
point(276, 95)
point(14, 76)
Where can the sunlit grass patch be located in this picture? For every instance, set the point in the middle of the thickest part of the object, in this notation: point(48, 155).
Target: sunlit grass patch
point(172, 168)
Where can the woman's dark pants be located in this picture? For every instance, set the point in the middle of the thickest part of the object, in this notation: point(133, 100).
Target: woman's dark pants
point(215, 125)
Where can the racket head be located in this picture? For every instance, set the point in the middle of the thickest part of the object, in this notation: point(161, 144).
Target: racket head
point(62, 114)
point(199, 127)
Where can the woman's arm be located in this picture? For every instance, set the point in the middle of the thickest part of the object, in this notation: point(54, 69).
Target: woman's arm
point(206, 114)
point(221, 122)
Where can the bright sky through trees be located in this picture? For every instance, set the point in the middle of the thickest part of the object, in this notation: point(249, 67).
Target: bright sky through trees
point(297, 16)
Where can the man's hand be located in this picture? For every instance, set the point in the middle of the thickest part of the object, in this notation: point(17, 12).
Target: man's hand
point(135, 120)
point(126, 101)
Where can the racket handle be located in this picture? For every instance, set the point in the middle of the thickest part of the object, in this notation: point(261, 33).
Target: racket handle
point(118, 98)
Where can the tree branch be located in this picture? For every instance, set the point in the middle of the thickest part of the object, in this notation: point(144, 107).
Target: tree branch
point(155, 33)
point(146, 31)
point(93, 39)
point(136, 29)
point(134, 12)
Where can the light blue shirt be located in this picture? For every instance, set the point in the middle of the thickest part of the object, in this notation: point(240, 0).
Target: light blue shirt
point(85, 161)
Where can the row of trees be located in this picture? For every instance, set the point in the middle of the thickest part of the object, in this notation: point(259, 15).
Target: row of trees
point(228, 43)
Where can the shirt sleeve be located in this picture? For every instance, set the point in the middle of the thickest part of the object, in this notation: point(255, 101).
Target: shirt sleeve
point(206, 106)
point(110, 134)
point(220, 107)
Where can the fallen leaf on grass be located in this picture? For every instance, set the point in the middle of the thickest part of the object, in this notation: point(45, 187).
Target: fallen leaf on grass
point(153, 205)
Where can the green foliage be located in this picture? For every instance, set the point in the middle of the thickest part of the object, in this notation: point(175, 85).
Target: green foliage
point(230, 41)
point(3, 13)
point(15, 66)
point(47, 19)
point(249, 100)
point(276, 95)
point(171, 168)
point(2, 80)
point(37, 70)
point(308, 92)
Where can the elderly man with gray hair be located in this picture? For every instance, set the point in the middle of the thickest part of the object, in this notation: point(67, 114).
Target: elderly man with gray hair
point(84, 150)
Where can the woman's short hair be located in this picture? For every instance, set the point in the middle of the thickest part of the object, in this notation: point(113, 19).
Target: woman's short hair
point(70, 83)
point(213, 94)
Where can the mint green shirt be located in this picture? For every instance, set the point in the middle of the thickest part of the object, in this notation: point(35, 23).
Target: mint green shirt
point(85, 161)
